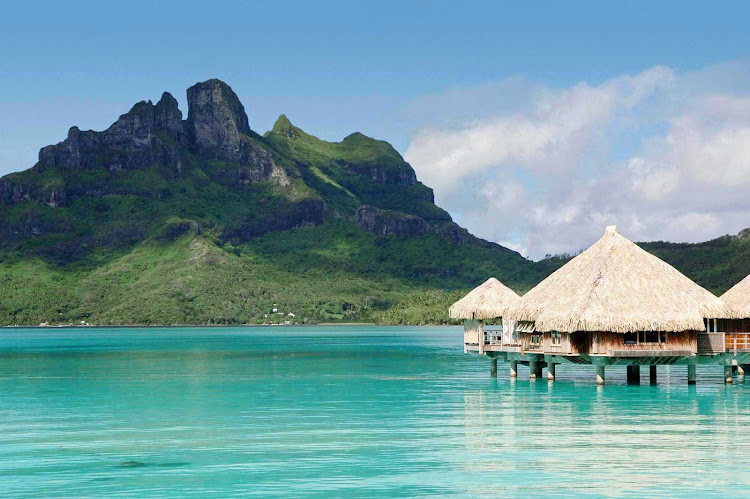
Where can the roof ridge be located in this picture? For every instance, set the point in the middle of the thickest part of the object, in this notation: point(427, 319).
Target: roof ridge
point(600, 268)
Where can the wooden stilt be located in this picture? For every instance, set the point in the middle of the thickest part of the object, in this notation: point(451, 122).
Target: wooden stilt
point(652, 374)
point(742, 369)
point(493, 367)
point(599, 375)
point(513, 369)
point(728, 373)
point(634, 375)
point(551, 371)
point(691, 374)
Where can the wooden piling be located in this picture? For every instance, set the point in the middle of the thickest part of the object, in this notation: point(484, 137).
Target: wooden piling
point(493, 367)
point(728, 373)
point(513, 369)
point(599, 375)
point(652, 374)
point(634, 375)
point(691, 368)
point(532, 369)
point(551, 371)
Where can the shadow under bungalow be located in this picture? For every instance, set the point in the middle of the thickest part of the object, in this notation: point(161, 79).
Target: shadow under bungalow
point(614, 304)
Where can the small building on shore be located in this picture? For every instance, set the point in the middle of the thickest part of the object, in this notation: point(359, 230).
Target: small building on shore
point(482, 311)
point(615, 304)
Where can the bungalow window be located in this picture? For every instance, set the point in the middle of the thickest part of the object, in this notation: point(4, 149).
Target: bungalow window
point(556, 339)
point(646, 337)
point(535, 341)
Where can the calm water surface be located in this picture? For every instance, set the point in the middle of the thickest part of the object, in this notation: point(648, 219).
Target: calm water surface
point(347, 411)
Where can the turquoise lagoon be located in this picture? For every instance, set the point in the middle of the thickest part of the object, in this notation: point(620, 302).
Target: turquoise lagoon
point(347, 412)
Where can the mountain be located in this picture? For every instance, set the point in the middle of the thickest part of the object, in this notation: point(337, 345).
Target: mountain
point(164, 220)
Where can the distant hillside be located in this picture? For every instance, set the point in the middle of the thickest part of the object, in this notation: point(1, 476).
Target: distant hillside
point(717, 265)
point(165, 220)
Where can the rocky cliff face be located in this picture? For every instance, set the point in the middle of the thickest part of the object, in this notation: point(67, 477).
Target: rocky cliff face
point(217, 129)
point(216, 119)
point(398, 224)
point(146, 135)
point(390, 223)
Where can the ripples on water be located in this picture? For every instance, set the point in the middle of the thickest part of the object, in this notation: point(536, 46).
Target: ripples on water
point(347, 411)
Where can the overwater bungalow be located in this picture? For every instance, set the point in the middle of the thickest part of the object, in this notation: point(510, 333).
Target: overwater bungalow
point(737, 331)
point(615, 304)
point(482, 311)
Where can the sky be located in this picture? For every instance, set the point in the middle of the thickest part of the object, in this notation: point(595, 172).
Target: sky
point(535, 124)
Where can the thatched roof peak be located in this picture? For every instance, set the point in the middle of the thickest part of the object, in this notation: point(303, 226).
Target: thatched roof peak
point(489, 300)
point(738, 297)
point(617, 286)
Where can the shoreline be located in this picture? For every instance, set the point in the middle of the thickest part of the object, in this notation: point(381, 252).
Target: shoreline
point(156, 326)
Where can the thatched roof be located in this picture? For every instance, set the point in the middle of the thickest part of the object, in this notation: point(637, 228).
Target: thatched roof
point(617, 286)
point(487, 301)
point(738, 297)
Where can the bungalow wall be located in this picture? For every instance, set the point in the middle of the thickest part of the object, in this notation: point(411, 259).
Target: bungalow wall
point(601, 343)
point(604, 342)
point(734, 325)
point(553, 343)
point(472, 332)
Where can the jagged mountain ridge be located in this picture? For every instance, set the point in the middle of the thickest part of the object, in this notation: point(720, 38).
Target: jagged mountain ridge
point(285, 201)
point(377, 188)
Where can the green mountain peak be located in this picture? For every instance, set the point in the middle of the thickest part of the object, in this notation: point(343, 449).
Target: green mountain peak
point(284, 127)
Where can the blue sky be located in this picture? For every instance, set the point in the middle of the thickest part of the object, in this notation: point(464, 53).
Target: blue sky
point(394, 70)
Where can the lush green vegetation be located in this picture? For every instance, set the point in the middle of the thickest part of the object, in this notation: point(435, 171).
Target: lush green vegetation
point(717, 265)
point(333, 272)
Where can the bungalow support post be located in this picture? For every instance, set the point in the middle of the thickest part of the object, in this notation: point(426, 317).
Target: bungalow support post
point(691, 374)
point(551, 371)
point(533, 369)
point(634, 375)
point(599, 375)
point(513, 369)
point(652, 374)
point(728, 372)
point(493, 367)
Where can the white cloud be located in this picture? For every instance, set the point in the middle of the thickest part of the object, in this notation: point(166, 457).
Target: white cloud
point(548, 137)
point(664, 155)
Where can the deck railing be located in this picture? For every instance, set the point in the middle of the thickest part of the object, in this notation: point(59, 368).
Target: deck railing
point(493, 336)
point(737, 342)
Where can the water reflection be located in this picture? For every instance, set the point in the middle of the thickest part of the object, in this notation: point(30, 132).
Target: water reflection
point(615, 439)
